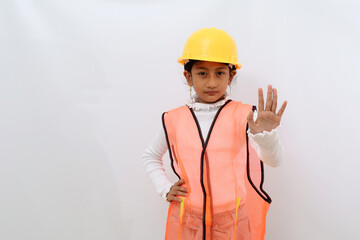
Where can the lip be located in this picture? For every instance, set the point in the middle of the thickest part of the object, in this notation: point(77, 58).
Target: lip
point(211, 92)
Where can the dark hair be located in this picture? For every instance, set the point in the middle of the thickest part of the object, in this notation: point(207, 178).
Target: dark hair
point(188, 66)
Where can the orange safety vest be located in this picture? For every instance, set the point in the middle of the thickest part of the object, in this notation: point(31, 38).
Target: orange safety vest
point(223, 175)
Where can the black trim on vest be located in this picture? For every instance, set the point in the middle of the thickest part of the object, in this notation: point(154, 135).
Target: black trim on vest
point(204, 144)
point(267, 198)
point(168, 143)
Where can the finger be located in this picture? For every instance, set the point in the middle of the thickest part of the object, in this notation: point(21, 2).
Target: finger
point(183, 189)
point(178, 183)
point(250, 118)
point(261, 100)
point(282, 109)
point(274, 104)
point(269, 98)
point(179, 193)
point(173, 198)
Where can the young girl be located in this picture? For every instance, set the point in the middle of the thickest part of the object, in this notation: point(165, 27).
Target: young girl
point(214, 144)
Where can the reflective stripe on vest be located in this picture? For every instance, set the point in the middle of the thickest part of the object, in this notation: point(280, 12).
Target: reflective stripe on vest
point(223, 175)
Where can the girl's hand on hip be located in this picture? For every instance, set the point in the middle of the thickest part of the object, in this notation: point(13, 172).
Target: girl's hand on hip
point(176, 190)
point(267, 119)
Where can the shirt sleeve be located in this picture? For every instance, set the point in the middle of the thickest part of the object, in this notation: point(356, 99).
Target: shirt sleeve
point(153, 163)
point(268, 146)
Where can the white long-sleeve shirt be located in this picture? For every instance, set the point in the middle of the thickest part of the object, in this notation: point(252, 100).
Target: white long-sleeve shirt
point(266, 144)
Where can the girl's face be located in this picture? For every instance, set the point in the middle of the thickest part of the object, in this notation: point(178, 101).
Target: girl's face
point(210, 80)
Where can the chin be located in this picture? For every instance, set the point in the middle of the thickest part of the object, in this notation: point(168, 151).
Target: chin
point(211, 99)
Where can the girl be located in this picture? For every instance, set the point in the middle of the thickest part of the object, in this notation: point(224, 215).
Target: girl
point(214, 144)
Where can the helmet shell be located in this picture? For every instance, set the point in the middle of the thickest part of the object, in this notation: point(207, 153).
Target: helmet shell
point(210, 44)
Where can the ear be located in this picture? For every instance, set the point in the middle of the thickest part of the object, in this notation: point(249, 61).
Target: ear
point(188, 78)
point(232, 75)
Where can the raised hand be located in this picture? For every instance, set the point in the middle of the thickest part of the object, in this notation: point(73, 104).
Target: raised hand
point(267, 119)
point(177, 190)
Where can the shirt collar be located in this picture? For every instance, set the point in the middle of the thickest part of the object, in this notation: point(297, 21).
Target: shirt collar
point(196, 105)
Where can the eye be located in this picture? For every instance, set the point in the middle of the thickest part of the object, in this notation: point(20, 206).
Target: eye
point(220, 73)
point(202, 73)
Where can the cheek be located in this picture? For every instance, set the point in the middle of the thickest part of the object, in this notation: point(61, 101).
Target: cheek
point(225, 82)
point(197, 82)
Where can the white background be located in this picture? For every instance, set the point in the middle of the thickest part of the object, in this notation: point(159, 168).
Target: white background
point(84, 84)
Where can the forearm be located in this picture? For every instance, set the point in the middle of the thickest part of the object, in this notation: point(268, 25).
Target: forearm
point(268, 146)
point(153, 164)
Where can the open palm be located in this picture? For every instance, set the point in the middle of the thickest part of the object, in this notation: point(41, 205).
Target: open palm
point(267, 119)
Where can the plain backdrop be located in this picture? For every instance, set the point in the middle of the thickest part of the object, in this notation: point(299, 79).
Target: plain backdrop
point(84, 84)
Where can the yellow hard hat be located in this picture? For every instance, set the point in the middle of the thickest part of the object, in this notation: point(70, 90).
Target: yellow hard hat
point(210, 44)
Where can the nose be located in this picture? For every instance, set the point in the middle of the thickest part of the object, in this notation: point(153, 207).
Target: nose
point(211, 82)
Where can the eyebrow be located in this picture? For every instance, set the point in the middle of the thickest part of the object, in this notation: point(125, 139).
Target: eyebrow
point(208, 69)
point(221, 68)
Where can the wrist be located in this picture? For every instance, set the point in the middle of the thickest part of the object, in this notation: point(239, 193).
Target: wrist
point(166, 191)
point(265, 139)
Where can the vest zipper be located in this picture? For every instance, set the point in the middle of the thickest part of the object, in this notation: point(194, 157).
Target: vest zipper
point(204, 145)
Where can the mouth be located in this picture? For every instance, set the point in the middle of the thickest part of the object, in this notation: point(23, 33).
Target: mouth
point(211, 92)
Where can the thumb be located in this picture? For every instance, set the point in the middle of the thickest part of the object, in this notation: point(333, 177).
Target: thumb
point(250, 118)
point(181, 181)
